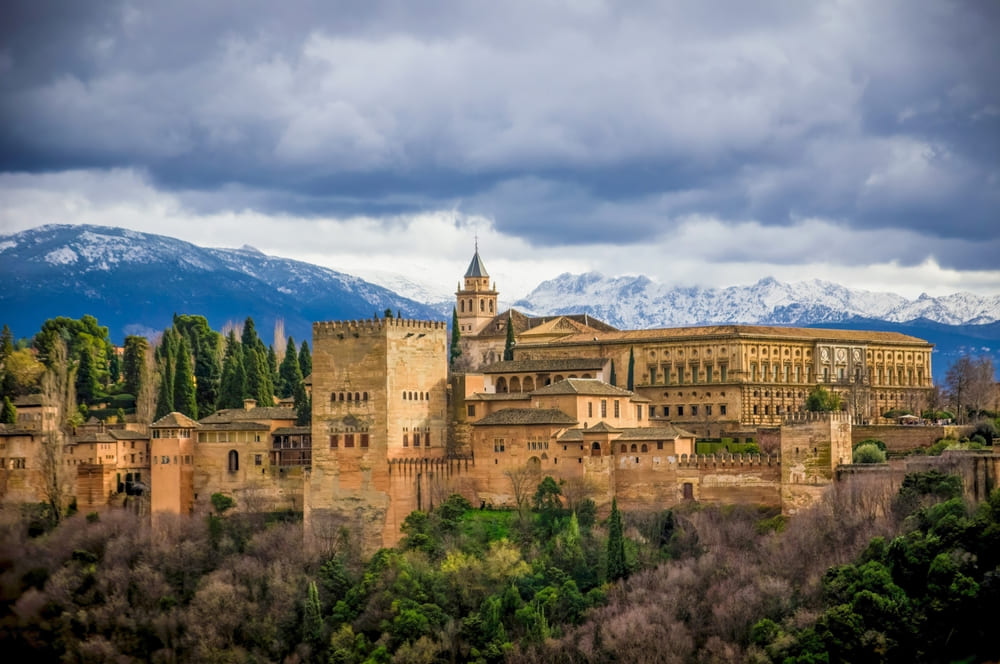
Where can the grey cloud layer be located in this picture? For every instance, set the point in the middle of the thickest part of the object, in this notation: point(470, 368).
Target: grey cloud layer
point(566, 122)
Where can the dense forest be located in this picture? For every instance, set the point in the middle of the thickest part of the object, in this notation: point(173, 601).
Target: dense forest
point(865, 576)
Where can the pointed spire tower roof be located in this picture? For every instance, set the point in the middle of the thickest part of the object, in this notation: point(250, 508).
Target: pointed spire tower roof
point(476, 267)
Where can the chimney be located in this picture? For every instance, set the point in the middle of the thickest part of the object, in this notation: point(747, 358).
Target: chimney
point(249, 404)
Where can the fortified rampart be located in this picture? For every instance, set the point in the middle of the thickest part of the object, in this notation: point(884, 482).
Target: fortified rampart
point(906, 438)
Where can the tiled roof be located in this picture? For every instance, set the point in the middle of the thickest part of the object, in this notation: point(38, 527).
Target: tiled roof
point(234, 426)
point(501, 396)
point(95, 437)
point(497, 327)
point(126, 434)
point(30, 400)
point(175, 420)
point(289, 431)
point(602, 427)
point(258, 414)
point(527, 416)
point(539, 366)
point(655, 433)
point(741, 331)
point(584, 386)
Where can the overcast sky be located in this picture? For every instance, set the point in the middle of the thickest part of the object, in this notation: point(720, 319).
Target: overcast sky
point(708, 143)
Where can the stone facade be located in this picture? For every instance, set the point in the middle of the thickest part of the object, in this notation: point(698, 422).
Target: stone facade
point(379, 404)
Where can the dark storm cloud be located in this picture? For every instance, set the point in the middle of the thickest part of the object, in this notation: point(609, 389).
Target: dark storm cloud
point(567, 123)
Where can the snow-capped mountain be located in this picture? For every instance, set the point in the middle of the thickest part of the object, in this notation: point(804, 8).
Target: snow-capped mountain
point(638, 302)
point(134, 282)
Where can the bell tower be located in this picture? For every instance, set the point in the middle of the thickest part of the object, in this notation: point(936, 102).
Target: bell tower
point(476, 302)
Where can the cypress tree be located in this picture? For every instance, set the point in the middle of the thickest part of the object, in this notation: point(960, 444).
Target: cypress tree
point(9, 413)
point(114, 367)
point(631, 369)
point(456, 337)
point(184, 392)
point(86, 377)
point(613, 379)
point(165, 396)
point(233, 385)
point(305, 360)
point(289, 373)
point(6, 343)
point(508, 349)
point(303, 406)
point(134, 364)
point(272, 365)
point(207, 373)
point(312, 618)
point(616, 545)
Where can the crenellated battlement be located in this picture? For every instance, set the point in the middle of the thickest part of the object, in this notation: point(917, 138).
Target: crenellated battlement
point(371, 326)
point(727, 460)
point(810, 416)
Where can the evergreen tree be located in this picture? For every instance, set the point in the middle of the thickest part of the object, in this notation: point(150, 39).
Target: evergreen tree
point(303, 406)
point(184, 391)
point(456, 338)
point(312, 618)
point(289, 373)
point(114, 368)
point(6, 343)
point(272, 365)
point(165, 395)
point(86, 377)
point(305, 360)
point(613, 379)
point(508, 349)
point(134, 364)
point(9, 413)
point(616, 544)
point(232, 388)
point(207, 373)
point(631, 369)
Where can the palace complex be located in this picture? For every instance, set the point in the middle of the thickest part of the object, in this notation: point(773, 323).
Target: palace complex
point(610, 413)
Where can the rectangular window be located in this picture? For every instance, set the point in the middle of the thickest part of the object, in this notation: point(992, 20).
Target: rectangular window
point(638, 412)
point(334, 441)
point(652, 375)
point(406, 440)
point(348, 440)
point(416, 440)
point(798, 374)
point(617, 409)
point(724, 370)
point(784, 376)
point(18, 463)
point(767, 410)
point(840, 373)
point(257, 460)
point(364, 440)
point(604, 408)
point(755, 410)
point(708, 373)
point(753, 372)
point(708, 409)
point(471, 410)
point(659, 444)
point(666, 411)
point(826, 374)
point(722, 409)
point(694, 410)
point(680, 375)
point(498, 445)
point(680, 411)
point(590, 409)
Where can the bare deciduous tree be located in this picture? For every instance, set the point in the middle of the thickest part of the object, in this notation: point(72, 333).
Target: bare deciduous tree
point(970, 383)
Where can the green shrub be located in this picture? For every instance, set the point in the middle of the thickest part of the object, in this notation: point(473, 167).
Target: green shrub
point(868, 453)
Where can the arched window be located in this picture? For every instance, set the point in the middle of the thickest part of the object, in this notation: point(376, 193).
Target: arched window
point(406, 440)
point(482, 305)
point(515, 384)
point(234, 461)
point(341, 396)
point(462, 304)
point(633, 448)
point(348, 396)
point(645, 448)
point(501, 385)
point(364, 396)
point(491, 306)
point(357, 397)
point(595, 449)
point(529, 384)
